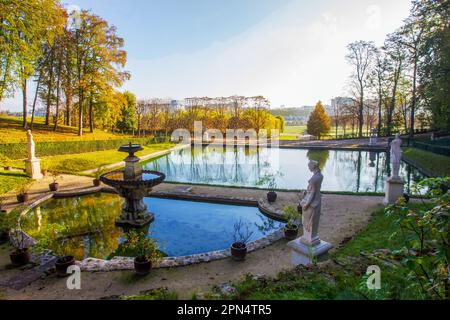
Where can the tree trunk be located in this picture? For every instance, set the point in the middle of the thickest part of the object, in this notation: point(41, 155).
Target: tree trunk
point(25, 107)
point(35, 99)
point(68, 106)
point(380, 97)
point(361, 112)
point(414, 99)
point(80, 114)
point(91, 115)
point(58, 90)
point(49, 93)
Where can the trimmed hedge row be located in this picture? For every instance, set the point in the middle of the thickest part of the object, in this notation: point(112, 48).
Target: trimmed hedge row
point(435, 148)
point(19, 150)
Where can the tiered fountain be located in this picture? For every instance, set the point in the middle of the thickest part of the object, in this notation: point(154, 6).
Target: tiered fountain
point(133, 184)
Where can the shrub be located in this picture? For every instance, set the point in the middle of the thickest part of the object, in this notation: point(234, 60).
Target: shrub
point(427, 247)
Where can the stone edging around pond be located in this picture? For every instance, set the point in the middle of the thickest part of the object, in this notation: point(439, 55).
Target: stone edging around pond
point(127, 263)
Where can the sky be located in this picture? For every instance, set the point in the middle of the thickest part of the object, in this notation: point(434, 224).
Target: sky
point(290, 51)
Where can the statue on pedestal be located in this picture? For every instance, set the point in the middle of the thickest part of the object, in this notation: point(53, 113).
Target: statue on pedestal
point(373, 137)
point(31, 146)
point(32, 164)
point(311, 205)
point(309, 247)
point(394, 185)
point(396, 155)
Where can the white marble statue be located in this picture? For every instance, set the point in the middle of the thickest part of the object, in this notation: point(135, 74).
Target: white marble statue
point(311, 206)
point(396, 155)
point(31, 146)
point(309, 248)
point(32, 164)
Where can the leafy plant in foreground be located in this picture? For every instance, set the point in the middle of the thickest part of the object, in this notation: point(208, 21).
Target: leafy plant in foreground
point(426, 252)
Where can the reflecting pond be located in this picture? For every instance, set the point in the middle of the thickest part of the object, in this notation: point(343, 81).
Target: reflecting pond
point(354, 171)
point(180, 227)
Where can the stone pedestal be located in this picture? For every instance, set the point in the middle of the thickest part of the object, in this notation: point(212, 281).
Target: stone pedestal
point(393, 190)
point(307, 254)
point(33, 168)
point(133, 170)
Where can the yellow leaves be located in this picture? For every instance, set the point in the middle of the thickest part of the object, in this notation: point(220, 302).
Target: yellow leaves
point(319, 123)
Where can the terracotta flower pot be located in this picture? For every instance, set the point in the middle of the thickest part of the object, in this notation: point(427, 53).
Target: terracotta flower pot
point(62, 264)
point(53, 186)
point(271, 196)
point(23, 197)
point(20, 257)
point(96, 182)
point(142, 266)
point(238, 251)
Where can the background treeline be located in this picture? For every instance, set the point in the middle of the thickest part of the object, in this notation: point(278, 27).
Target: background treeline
point(161, 116)
point(406, 82)
point(76, 60)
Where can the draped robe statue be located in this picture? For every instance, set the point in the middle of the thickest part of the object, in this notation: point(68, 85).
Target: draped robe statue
point(396, 155)
point(311, 206)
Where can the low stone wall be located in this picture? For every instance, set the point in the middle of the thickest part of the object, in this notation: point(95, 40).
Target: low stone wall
point(127, 263)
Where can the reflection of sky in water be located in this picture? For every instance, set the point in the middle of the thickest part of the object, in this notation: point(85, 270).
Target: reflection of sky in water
point(356, 171)
point(180, 227)
point(187, 227)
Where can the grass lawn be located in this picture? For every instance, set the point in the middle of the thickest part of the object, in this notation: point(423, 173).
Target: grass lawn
point(11, 131)
point(344, 277)
point(74, 163)
point(295, 129)
point(11, 180)
point(435, 163)
point(290, 130)
point(288, 137)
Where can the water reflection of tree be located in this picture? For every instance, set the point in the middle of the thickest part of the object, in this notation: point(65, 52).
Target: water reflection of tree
point(267, 225)
point(321, 156)
point(89, 224)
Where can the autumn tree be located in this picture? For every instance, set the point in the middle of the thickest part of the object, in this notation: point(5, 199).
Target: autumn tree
point(318, 123)
point(26, 28)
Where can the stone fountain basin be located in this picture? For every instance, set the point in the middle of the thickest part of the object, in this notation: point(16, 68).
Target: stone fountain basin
point(117, 179)
point(130, 148)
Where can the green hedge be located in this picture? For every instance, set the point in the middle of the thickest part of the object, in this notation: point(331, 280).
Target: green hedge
point(433, 147)
point(19, 150)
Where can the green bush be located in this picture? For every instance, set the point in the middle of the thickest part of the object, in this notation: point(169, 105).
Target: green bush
point(19, 150)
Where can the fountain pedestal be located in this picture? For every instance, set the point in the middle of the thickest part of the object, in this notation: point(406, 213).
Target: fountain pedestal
point(134, 211)
point(133, 184)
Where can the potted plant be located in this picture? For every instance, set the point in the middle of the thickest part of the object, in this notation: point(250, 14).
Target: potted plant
point(241, 236)
point(293, 221)
point(272, 195)
point(98, 173)
point(145, 250)
point(20, 241)
point(23, 195)
point(54, 186)
point(55, 234)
